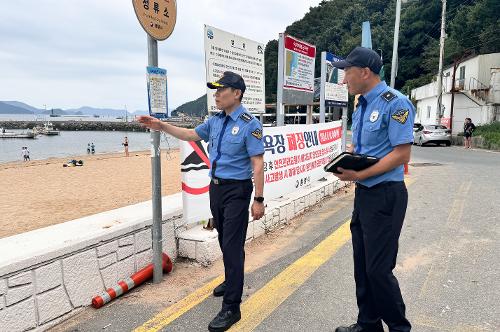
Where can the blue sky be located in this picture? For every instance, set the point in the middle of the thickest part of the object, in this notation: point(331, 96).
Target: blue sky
point(67, 54)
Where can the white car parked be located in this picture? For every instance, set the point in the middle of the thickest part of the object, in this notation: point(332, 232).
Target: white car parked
point(436, 134)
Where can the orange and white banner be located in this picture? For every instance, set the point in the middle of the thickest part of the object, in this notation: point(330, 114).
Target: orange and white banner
point(294, 158)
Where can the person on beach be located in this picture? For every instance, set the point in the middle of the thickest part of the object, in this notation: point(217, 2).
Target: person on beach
point(125, 145)
point(23, 153)
point(88, 148)
point(92, 148)
point(469, 128)
point(235, 149)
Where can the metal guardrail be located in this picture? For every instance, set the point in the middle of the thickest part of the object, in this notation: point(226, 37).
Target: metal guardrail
point(474, 86)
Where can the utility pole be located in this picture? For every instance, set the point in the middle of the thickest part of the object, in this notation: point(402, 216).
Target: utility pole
point(440, 73)
point(455, 66)
point(395, 44)
point(456, 63)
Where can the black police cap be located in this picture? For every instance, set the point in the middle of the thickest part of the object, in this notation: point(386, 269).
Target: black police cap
point(361, 57)
point(229, 79)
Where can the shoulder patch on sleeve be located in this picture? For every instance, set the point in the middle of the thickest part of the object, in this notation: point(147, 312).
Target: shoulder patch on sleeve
point(401, 115)
point(246, 117)
point(257, 133)
point(388, 96)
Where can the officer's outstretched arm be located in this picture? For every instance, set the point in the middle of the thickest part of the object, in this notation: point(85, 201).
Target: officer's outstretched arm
point(183, 134)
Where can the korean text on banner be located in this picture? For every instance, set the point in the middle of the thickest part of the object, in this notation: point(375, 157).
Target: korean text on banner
point(299, 65)
point(157, 92)
point(294, 157)
point(225, 51)
point(336, 93)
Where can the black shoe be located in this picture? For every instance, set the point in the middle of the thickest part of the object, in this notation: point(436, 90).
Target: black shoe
point(220, 290)
point(357, 328)
point(224, 320)
point(352, 328)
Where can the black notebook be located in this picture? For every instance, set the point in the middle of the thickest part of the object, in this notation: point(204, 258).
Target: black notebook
point(347, 160)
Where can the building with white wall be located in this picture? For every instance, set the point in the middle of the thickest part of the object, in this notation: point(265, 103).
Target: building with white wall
point(476, 94)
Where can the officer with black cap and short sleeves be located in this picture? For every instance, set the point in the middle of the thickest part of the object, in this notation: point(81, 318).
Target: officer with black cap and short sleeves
point(382, 126)
point(236, 153)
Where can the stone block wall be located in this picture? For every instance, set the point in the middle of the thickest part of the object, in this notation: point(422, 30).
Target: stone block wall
point(40, 296)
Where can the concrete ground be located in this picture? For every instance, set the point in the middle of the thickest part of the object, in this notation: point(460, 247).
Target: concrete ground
point(300, 278)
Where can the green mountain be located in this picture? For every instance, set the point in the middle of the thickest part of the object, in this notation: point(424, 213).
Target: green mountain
point(196, 107)
point(335, 26)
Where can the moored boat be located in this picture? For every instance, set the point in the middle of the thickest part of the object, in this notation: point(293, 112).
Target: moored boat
point(11, 134)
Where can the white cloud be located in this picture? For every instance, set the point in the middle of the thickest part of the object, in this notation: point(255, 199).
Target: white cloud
point(66, 54)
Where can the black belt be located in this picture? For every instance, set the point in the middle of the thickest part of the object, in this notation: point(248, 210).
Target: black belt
point(228, 181)
point(379, 185)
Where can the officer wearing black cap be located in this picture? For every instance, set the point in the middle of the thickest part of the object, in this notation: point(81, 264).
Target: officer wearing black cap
point(236, 149)
point(382, 126)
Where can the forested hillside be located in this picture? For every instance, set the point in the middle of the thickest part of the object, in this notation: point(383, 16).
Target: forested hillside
point(472, 27)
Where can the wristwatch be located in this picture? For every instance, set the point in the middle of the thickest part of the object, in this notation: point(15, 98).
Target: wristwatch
point(259, 199)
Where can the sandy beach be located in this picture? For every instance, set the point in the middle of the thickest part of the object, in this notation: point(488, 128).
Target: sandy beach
point(40, 193)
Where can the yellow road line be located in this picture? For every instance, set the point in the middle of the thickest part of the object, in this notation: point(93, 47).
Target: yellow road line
point(268, 298)
point(176, 310)
point(171, 313)
point(315, 258)
point(261, 304)
point(297, 273)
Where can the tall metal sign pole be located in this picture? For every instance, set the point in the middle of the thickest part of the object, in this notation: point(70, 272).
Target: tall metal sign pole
point(155, 179)
point(280, 108)
point(158, 20)
point(322, 103)
point(395, 44)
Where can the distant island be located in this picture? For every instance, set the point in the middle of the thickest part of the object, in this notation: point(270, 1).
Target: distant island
point(196, 108)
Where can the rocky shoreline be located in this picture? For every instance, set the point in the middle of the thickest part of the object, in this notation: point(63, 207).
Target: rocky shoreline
point(86, 125)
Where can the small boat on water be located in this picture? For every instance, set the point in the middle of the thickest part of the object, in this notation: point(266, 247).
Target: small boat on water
point(11, 134)
point(46, 129)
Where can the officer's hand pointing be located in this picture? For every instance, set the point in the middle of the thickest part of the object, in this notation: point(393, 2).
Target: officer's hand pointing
point(348, 175)
point(150, 122)
point(257, 210)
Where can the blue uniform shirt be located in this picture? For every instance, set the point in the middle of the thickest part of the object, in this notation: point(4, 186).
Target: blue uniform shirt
point(383, 119)
point(232, 141)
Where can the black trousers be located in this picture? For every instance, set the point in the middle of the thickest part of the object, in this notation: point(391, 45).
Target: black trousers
point(376, 224)
point(229, 205)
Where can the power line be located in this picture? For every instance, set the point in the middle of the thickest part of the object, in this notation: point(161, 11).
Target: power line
point(436, 26)
point(493, 40)
point(455, 8)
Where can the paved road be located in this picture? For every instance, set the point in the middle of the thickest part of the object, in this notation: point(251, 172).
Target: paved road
point(448, 265)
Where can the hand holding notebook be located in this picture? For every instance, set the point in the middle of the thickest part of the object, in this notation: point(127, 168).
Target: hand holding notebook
point(350, 161)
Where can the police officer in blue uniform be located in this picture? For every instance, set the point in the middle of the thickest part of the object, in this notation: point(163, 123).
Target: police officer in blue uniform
point(236, 153)
point(382, 126)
